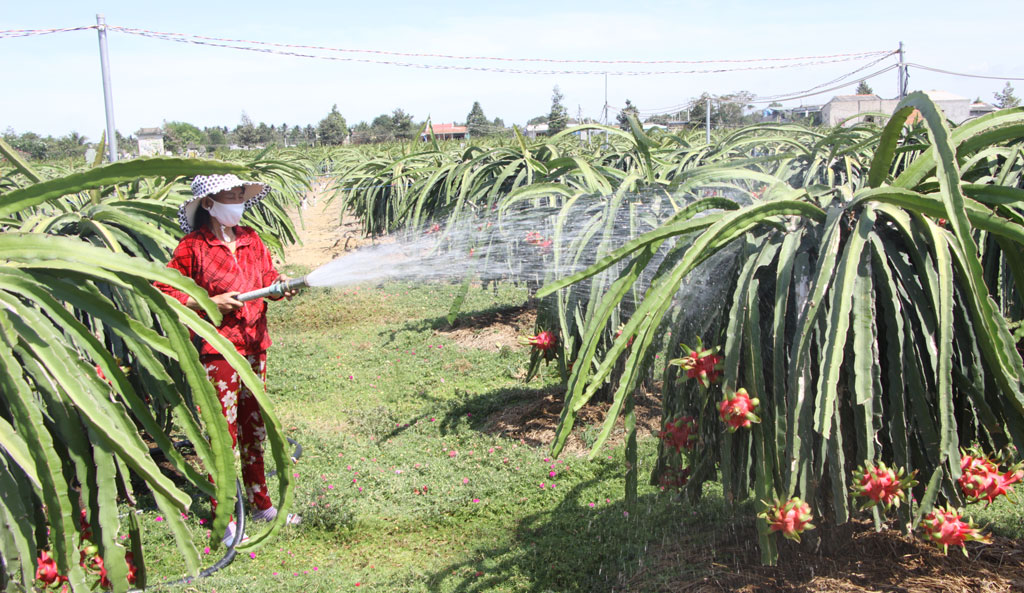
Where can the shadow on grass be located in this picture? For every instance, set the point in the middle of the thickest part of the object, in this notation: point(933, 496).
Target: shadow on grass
point(476, 319)
point(478, 410)
point(579, 547)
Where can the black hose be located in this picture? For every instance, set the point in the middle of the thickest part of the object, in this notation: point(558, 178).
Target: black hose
point(229, 556)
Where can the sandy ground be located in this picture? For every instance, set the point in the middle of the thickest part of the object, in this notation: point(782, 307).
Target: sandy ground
point(323, 232)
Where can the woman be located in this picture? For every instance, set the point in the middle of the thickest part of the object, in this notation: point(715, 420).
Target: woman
point(226, 259)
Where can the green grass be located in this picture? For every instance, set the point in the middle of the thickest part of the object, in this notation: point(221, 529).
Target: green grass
point(402, 487)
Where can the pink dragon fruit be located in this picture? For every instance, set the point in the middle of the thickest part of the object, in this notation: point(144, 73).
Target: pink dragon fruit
point(878, 484)
point(737, 410)
point(791, 518)
point(946, 528)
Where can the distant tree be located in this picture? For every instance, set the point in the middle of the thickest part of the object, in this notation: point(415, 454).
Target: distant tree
point(264, 134)
point(498, 123)
point(402, 125)
point(382, 128)
point(1006, 98)
point(540, 119)
point(180, 136)
point(126, 145)
point(732, 108)
point(558, 117)
point(72, 145)
point(623, 117)
point(476, 121)
point(864, 88)
point(725, 109)
point(332, 129)
point(245, 132)
point(215, 138)
point(309, 134)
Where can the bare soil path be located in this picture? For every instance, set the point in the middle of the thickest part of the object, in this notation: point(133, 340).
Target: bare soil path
point(324, 233)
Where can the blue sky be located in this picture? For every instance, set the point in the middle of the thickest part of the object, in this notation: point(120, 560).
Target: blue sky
point(53, 85)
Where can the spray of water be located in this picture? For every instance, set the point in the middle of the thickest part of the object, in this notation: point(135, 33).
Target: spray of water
point(532, 244)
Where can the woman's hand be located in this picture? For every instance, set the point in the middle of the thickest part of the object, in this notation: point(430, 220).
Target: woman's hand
point(288, 294)
point(226, 302)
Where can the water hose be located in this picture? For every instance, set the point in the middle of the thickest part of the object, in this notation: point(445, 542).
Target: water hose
point(276, 289)
point(229, 555)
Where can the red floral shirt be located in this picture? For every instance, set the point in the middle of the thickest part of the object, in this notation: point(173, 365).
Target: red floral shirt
point(205, 259)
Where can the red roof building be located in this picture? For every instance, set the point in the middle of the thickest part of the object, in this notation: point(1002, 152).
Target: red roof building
point(447, 131)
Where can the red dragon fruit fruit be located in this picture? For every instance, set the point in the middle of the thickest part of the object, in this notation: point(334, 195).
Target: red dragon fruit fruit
point(791, 518)
point(878, 484)
point(980, 478)
point(46, 568)
point(674, 479)
point(945, 528)
point(680, 433)
point(701, 363)
point(737, 410)
point(544, 342)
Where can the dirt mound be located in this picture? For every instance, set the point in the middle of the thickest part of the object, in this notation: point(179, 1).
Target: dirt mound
point(533, 422)
point(492, 330)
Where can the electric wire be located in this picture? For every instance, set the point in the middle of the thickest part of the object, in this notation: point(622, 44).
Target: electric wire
point(178, 38)
point(941, 71)
point(496, 58)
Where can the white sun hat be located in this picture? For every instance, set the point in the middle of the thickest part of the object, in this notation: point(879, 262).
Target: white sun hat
point(208, 185)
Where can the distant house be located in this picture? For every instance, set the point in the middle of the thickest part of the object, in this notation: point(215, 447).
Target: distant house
point(151, 141)
point(847, 109)
point(533, 130)
point(446, 132)
point(981, 108)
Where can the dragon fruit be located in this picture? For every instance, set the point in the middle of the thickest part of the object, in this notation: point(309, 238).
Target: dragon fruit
point(791, 518)
point(737, 410)
point(878, 484)
point(945, 528)
point(980, 478)
point(544, 342)
point(701, 364)
point(680, 433)
point(46, 569)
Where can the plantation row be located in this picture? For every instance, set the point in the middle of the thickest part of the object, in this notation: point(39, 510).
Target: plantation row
point(862, 285)
point(852, 296)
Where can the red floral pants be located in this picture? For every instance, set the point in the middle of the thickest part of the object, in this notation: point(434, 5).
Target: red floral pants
point(245, 422)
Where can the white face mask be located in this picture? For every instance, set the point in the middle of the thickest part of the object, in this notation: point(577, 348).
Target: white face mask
point(228, 215)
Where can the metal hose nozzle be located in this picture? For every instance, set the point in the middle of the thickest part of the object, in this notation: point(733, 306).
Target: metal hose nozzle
point(275, 289)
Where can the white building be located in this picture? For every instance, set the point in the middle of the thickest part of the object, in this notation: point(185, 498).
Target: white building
point(151, 141)
point(846, 110)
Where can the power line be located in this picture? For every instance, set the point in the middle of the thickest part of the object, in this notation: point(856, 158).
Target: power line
point(179, 38)
point(962, 73)
point(852, 55)
point(10, 33)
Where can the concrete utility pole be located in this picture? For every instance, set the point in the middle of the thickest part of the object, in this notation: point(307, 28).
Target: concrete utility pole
point(108, 98)
point(707, 120)
point(902, 75)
